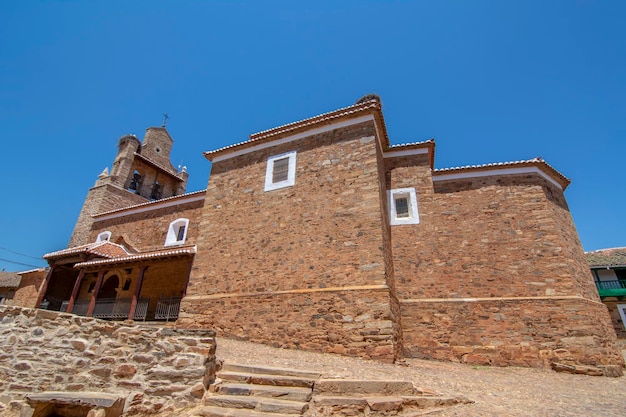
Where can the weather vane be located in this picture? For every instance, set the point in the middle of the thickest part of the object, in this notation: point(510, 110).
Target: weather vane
point(165, 117)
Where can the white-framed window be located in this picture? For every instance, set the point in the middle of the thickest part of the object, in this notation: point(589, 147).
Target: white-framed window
point(177, 232)
point(104, 236)
point(403, 206)
point(281, 171)
point(621, 309)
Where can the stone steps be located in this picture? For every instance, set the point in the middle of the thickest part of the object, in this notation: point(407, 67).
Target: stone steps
point(210, 411)
point(257, 391)
point(249, 390)
point(268, 391)
point(346, 397)
point(267, 379)
point(266, 405)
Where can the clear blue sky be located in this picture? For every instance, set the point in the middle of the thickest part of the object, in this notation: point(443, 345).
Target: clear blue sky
point(491, 81)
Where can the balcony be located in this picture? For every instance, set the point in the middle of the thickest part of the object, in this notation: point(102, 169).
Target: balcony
point(615, 288)
point(167, 308)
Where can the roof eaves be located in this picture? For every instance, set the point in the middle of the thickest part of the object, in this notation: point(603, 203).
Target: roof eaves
point(148, 203)
point(170, 253)
point(537, 162)
point(306, 124)
point(159, 167)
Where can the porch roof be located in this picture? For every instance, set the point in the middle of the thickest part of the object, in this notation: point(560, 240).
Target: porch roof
point(139, 257)
point(104, 249)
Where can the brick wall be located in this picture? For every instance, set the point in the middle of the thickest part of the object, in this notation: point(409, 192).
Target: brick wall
point(322, 233)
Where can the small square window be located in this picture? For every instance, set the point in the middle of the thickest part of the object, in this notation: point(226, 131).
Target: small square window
point(403, 206)
point(281, 171)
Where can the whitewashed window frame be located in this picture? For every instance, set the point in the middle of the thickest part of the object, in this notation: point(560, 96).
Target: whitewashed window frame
point(103, 236)
point(411, 196)
point(172, 232)
point(270, 185)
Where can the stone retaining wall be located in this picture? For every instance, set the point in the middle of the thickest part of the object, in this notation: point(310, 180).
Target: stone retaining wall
point(152, 367)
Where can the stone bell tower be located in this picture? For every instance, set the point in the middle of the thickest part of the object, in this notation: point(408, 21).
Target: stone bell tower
point(141, 172)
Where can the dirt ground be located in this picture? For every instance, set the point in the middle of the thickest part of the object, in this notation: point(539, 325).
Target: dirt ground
point(495, 391)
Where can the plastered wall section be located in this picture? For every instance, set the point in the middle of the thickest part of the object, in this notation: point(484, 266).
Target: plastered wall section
point(302, 257)
point(28, 290)
point(147, 230)
point(154, 368)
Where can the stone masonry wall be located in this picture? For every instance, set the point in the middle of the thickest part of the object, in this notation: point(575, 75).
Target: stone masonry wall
point(147, 230)
point(154, 368)
point(573, 259)
point(101, 198)
point(485, 237)
point(322, 234)
point(616, 319)
point(356, 322)
point(515, 332)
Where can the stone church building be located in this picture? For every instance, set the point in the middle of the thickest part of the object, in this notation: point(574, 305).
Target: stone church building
point(322, 235)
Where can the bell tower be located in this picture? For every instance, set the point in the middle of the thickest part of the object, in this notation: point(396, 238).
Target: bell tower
point(141, 172)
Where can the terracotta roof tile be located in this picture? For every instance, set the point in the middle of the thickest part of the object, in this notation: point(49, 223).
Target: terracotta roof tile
point(103, 249)
point(129, 258)
point(9, 279)
point(302, 125)
point(607, 257)
point(538, 162)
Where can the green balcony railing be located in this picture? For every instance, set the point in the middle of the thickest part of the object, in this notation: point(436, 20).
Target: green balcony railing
point(615, 288)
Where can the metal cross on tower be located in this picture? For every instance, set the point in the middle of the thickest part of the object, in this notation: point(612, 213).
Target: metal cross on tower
point(165, 117)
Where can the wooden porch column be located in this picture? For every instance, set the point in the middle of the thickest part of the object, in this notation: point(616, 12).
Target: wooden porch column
point(44, 286)
point(70, 305)
point(96, 290)
point(133, 303)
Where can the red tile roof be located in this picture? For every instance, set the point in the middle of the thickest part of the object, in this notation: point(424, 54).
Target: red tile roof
point(372, 107)
point(607, 257)
point(132, 258)
point(104, 249)
point(535, 162)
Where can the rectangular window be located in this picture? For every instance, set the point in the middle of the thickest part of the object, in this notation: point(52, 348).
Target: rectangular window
point(403, 206)
point(181, 234)
point(280, 171)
